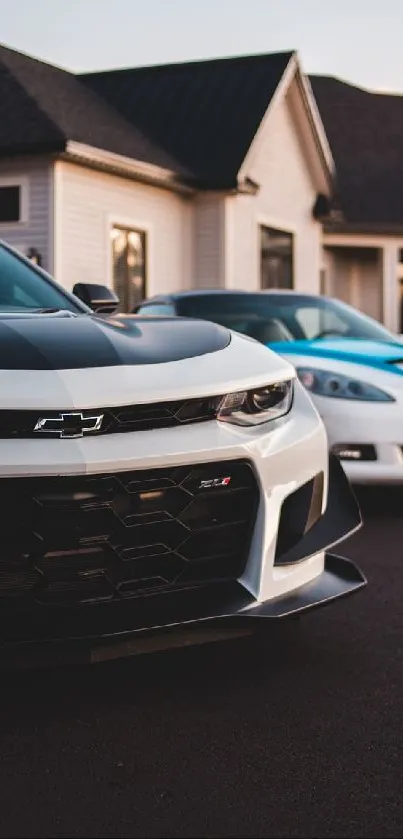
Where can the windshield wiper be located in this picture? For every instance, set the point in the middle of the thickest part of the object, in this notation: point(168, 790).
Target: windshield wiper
point(46, 311)
point(52, 311)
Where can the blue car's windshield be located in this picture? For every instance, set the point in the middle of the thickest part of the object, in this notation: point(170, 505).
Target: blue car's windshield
point(271, 318)
point(23, 288)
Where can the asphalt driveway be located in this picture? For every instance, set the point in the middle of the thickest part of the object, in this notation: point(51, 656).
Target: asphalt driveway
point(298, 737)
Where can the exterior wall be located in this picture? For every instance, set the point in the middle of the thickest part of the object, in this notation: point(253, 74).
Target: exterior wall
point(208, 241)
point(36, 178)
point(88, 203)
point(284, 201)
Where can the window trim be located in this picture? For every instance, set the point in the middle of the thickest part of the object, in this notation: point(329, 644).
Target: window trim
point(277, 223)
point(22, 182)
point(272, 224)
point(129, 227)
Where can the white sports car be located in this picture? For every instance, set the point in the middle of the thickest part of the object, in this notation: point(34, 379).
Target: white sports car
point(351, 365)
point(161, 480)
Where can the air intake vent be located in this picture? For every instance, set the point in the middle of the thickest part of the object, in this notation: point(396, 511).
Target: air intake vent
point(74, 540)
point(300, 511)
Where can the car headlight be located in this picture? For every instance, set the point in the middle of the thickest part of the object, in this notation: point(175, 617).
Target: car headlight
point(254, 407)
point(338, 386)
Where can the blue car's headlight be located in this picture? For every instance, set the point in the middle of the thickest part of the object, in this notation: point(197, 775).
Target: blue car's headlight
point(338, 386)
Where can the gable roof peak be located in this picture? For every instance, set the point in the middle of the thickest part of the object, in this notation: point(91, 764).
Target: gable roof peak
point(10, 53)
point(196, 62)
point(203, 113)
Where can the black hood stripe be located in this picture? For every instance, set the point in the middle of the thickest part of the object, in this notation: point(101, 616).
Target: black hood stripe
point(64, 341)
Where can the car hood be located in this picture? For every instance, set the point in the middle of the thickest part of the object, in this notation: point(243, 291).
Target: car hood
point(63, 340)
point(380, 354)
point(65, 361)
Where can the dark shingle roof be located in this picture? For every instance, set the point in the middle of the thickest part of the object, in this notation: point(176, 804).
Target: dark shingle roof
point(203, 113)
point(42, 107)
point(197, 119)
point(365, 132)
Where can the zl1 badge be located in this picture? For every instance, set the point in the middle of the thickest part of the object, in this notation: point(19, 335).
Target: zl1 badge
point(214, 482)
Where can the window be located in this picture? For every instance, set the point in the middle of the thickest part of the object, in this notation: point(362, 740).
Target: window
point(280, 317)
point(129, 266)
point(276, 258)
point(152, 309)
point(315, 320)
point(10, 204)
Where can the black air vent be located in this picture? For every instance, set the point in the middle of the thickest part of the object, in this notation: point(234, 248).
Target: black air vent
point(74, 540)
point(299, 512)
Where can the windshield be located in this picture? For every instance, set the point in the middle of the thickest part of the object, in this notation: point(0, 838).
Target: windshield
point(23, 288)
point(271, 318)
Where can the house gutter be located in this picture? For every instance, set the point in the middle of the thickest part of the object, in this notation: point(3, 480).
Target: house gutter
point(149, 173)
point(126, 167)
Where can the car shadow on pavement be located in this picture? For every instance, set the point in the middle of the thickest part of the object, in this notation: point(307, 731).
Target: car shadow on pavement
point(286, 647)
point(379, 501)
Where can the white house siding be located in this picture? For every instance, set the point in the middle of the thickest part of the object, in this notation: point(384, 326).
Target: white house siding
point(89, 203)
point(284, 201)
point(36, 176)
point(208, 241)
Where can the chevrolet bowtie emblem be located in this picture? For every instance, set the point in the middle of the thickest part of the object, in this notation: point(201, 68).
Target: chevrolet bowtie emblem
point(69, 425)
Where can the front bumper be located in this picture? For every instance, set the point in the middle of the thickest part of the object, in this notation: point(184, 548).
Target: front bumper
point(195, 615)
point(183, 619)
point(283, 566)
point(387, 470)
point(377, 425)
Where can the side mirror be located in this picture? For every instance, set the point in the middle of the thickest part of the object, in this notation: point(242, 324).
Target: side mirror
point(99, 298)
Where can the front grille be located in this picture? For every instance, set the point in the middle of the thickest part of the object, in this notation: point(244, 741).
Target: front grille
point(73, 540)
point(21, 424)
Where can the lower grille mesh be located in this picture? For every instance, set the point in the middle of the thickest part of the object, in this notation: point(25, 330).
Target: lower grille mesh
point(88, 539)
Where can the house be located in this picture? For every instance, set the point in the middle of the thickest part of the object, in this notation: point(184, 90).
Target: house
point(209, 173)
point(363, 244)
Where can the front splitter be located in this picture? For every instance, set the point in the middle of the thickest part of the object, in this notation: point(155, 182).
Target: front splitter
point(182, 619)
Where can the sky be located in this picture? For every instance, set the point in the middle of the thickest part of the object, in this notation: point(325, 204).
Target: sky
point(357, 40)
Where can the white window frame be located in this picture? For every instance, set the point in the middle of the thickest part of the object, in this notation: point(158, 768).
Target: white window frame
point(129, 223)
point(125, 223)
point(274, 224)
point(23, 183)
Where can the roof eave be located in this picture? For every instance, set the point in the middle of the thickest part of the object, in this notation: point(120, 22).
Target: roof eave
point(370, 228)
point(28, 149)
point(318, 128)
point(226, 186)
point(127, 167)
